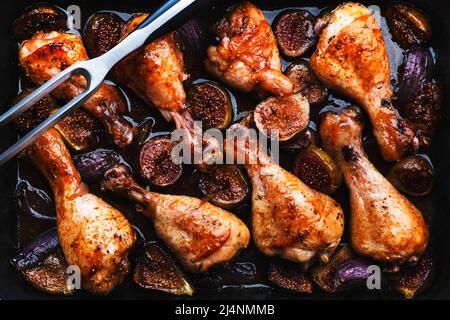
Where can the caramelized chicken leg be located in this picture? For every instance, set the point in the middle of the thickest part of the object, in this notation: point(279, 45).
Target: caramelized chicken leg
point(198, 233)
point(155, 72)
point(289, 219)
point(247, 56)
point(351, 57)
point(46, 54)
point(384, 224)
point(93, 235)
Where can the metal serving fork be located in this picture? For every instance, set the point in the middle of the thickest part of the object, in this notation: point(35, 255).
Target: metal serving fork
point(95, 70)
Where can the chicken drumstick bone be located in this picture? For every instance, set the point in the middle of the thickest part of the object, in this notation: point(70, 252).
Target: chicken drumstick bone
point(93, 235)
point(384, 224)
point(46, 54)
point(351, 58)
point(200, 234)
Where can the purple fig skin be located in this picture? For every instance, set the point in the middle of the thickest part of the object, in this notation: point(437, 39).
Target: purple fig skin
point(416, 72)
point(37, 250)
point(194, 40)
point(354, 273)
point(92, 165)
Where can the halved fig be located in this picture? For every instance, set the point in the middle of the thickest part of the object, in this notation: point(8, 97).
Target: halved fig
point(289, 276)
point(224, 185)
point(40, 111)
point(39, 17)
point(408, 25)
point(413, 175)
point(93, 165)
point(37, 250)
point(102, 32)
point(50, 275)
point(415, 72)
point(294, 30)
point(282, 116)
point(324, 274)
point(356, 273)
point(42, 264)
point(211, 104)
point(157, 270)
point(413, 279)
point(317, 169)
point(80, 130)
point(424, 111)
point(306, 82)
point(155, 163)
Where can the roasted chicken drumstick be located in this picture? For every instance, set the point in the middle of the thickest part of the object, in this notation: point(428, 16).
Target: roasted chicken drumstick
point(289, 219)
point(384, 224)
point(46, 54)
point(93, 235)
point(351, 58)
point(246, 56)
point(198, 233)
point(155, 73)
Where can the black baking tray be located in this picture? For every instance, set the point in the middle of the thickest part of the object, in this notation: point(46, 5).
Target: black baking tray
point(13, 286)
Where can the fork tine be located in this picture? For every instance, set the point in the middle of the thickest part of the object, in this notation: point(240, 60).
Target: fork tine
point(38, 94)
point(31, 136)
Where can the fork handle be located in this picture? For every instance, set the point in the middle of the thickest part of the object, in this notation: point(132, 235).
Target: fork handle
point(175, 21)
point(168, 17)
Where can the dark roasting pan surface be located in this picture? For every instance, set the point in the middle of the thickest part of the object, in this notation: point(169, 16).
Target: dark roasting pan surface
point(13, 286)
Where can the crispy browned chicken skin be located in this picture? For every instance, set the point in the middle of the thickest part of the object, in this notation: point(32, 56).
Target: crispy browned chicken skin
point(289, 219)
point(351, 58)
point(384, 224)
point(200, 234)
point(46, 54)
point(247, 56)
point(93, 235)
